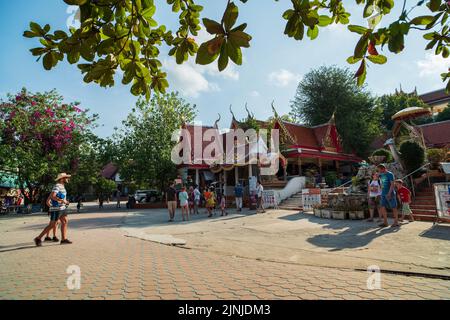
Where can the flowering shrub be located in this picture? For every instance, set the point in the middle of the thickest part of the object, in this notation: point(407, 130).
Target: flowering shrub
point(40, 136)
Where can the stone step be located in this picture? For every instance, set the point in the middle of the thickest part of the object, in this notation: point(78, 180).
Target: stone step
point(424, 212)
point(291, 208)
point(421, 202)
point(423, 206)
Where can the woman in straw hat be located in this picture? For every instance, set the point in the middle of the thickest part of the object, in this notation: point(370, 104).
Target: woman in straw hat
point(58, 206)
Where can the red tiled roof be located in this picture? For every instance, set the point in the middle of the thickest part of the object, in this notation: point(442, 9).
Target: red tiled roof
point(378, 142)
point(304, 136)
point(320, 132)
point(435, 96)
point(109, 171)
point(436, 134)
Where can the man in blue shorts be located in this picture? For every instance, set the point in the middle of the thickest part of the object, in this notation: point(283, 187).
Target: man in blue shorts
point(59, 203)
point(388, 195)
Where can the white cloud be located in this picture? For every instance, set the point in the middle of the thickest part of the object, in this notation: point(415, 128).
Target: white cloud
point(254, 94)
point(187, 79)
point(283, 78)
point(192, 79)
point(432, 65)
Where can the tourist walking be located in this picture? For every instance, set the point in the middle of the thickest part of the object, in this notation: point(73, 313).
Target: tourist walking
point(197, 196)
point(184, 203)
point(238, 194)
point(404, 195)
point(79, 203)
point(223, 205)
point(191, 200)
point(58, 211)
point(171, 201)
point(388, 195)
point(374, 196)
point(259, 197)
point(100, 201)
point(118, 194)
point(210, 201)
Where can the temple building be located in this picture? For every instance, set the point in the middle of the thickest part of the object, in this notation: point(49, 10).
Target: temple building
point(303, 150)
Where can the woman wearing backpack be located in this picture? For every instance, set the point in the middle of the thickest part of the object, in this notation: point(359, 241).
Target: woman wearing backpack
point(374, 196)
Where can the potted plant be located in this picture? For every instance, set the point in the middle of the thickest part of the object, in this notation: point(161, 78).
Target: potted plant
point(355, 212)
point(326, 212)
point(318, 210)
point(435, 156)
point(339, 212)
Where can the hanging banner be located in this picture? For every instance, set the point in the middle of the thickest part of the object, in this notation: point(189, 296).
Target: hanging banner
point(442, 196)
point(310, 197)
point(269, 200)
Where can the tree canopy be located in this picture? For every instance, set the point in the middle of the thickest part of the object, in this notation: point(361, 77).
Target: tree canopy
point(123, 34)
point(444, 115)
point(145, 142)
point(40, 136)
point(390, 104)
point(329, 90)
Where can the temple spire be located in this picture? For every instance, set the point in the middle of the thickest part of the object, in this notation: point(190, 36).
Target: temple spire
point(232, 114)
point(250, 115)
point(275, 113)
point(216, 124)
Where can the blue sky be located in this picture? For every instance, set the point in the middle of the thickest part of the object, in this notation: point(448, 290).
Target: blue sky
point(272, 66)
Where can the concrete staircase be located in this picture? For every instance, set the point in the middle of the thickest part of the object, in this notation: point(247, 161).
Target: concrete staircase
point(292, 203)
point(423, 205)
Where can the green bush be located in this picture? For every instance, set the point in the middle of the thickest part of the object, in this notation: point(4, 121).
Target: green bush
point(412, 154)
point(383, 152)
point(436, 155)
point(330, 178)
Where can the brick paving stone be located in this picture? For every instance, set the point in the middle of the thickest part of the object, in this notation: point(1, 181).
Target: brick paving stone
point(120, 267)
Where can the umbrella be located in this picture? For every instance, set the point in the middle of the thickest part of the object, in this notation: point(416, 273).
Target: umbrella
point(411, 113)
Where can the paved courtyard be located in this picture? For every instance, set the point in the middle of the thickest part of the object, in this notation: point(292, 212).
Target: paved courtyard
point(277, 255)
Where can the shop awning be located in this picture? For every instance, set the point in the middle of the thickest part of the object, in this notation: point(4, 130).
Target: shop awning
point(303, 153)
point(8, 180)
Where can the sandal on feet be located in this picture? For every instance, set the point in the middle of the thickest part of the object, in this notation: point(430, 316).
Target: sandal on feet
point(55, 239)
point(383, 225)
point(38, 242)
point(47, 239)
point(369, 220)
point(66, 241)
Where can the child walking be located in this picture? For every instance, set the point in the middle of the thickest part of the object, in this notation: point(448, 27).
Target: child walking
point(184, 203)
point(223, 205)
point(405, 198)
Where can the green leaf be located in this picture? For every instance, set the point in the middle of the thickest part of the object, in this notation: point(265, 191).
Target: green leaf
point(48, 61)
point(223, 58)
point(422, 20)
point(213, 27)
point(313, 33)
point(357, 29)
point(209, 51)
point(353, 60)
point(75, 2)
point(230, 16)
point(378, 59)
point(235, 53)
point(325, 21)
point(240, 39)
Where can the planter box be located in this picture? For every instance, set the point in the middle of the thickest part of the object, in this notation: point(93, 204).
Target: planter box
point(318, 213)
point(339, 215)
point(356, 215)
point(326, 213)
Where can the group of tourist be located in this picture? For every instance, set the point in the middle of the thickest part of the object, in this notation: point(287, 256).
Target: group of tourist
point(190, 200)
point(384, 193)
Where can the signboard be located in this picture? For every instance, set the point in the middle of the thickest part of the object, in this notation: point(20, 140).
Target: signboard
point(310, 197)
point(269, 200)
point(252, 184)
point(442, 195)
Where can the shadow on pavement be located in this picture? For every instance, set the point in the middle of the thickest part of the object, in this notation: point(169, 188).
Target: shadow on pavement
point(84, 222)
point(440, 232)
point(354, 234)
